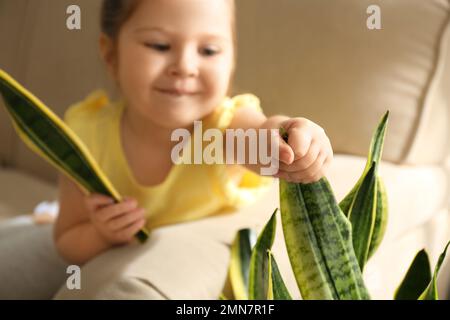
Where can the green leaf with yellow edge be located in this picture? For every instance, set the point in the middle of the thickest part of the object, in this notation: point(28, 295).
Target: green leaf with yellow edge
point(318, 239)
point(276, 288)
point(375, 153)
point(379, 212)
point(259, 262)
point(48, 136)
point(362, 216)
point(241, 252)
point(381, 217)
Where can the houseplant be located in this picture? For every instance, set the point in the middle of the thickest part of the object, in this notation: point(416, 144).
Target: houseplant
point(328, 243)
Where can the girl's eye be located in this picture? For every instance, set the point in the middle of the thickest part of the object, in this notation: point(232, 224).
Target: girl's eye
point(209, 51)
point(158, 46)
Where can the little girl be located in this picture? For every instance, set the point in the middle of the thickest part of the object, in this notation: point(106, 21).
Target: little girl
point(173, 61)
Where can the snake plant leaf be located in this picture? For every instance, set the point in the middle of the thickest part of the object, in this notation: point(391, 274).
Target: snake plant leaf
point(377, 142)
point(259, 261)
point(318, 239)
point(276, 288)
point(362, 215)
point(241, 252)
point(375, 153)
point(431, 292)
point(381, 217)
point(48, 136)
point(416, 279)
point(381, 213)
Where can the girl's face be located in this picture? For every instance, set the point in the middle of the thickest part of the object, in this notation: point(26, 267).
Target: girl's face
point(175, 59)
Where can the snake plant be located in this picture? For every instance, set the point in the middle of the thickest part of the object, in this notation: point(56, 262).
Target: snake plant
point(328, 243)
point(48, 136)
point(366, 205)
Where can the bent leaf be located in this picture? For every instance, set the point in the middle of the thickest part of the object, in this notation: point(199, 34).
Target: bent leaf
point(375, 153)
point(241, 252)
point(380, 195)
point(362, 215)
point(48, 136)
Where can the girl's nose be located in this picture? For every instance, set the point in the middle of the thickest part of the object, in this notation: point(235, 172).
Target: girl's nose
point(184, 65)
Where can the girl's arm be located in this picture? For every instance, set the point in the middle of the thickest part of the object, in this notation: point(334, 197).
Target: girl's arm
point(248, 117)
point(88, 225)
point(76, 239)
point(304, 158)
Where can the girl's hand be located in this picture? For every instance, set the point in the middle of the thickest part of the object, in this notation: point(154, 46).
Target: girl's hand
point(308, 153)
point(117, 223)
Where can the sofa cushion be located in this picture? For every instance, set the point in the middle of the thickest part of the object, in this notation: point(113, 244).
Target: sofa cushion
point(30, 267)
point(320, 61)
point(11, 22)
point(20, 193)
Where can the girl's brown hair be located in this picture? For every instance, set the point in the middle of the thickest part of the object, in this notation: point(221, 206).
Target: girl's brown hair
point(114, 14)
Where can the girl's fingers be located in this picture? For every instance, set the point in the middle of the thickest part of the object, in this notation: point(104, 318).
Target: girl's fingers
point(305, 162)
point(126, 219)
point(300, 140)
point(129, 231)
point(127, 198)
point(112, 211)
point(283, 175)
point(96, 200)
point(285, 152)
point(313, 172)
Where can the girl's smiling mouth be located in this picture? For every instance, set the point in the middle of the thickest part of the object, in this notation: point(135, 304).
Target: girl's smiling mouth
point(176, 92)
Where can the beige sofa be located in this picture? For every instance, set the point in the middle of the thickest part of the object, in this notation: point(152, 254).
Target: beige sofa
point(301, 57)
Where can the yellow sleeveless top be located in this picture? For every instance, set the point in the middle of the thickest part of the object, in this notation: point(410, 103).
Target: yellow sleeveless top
point(190, 191)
